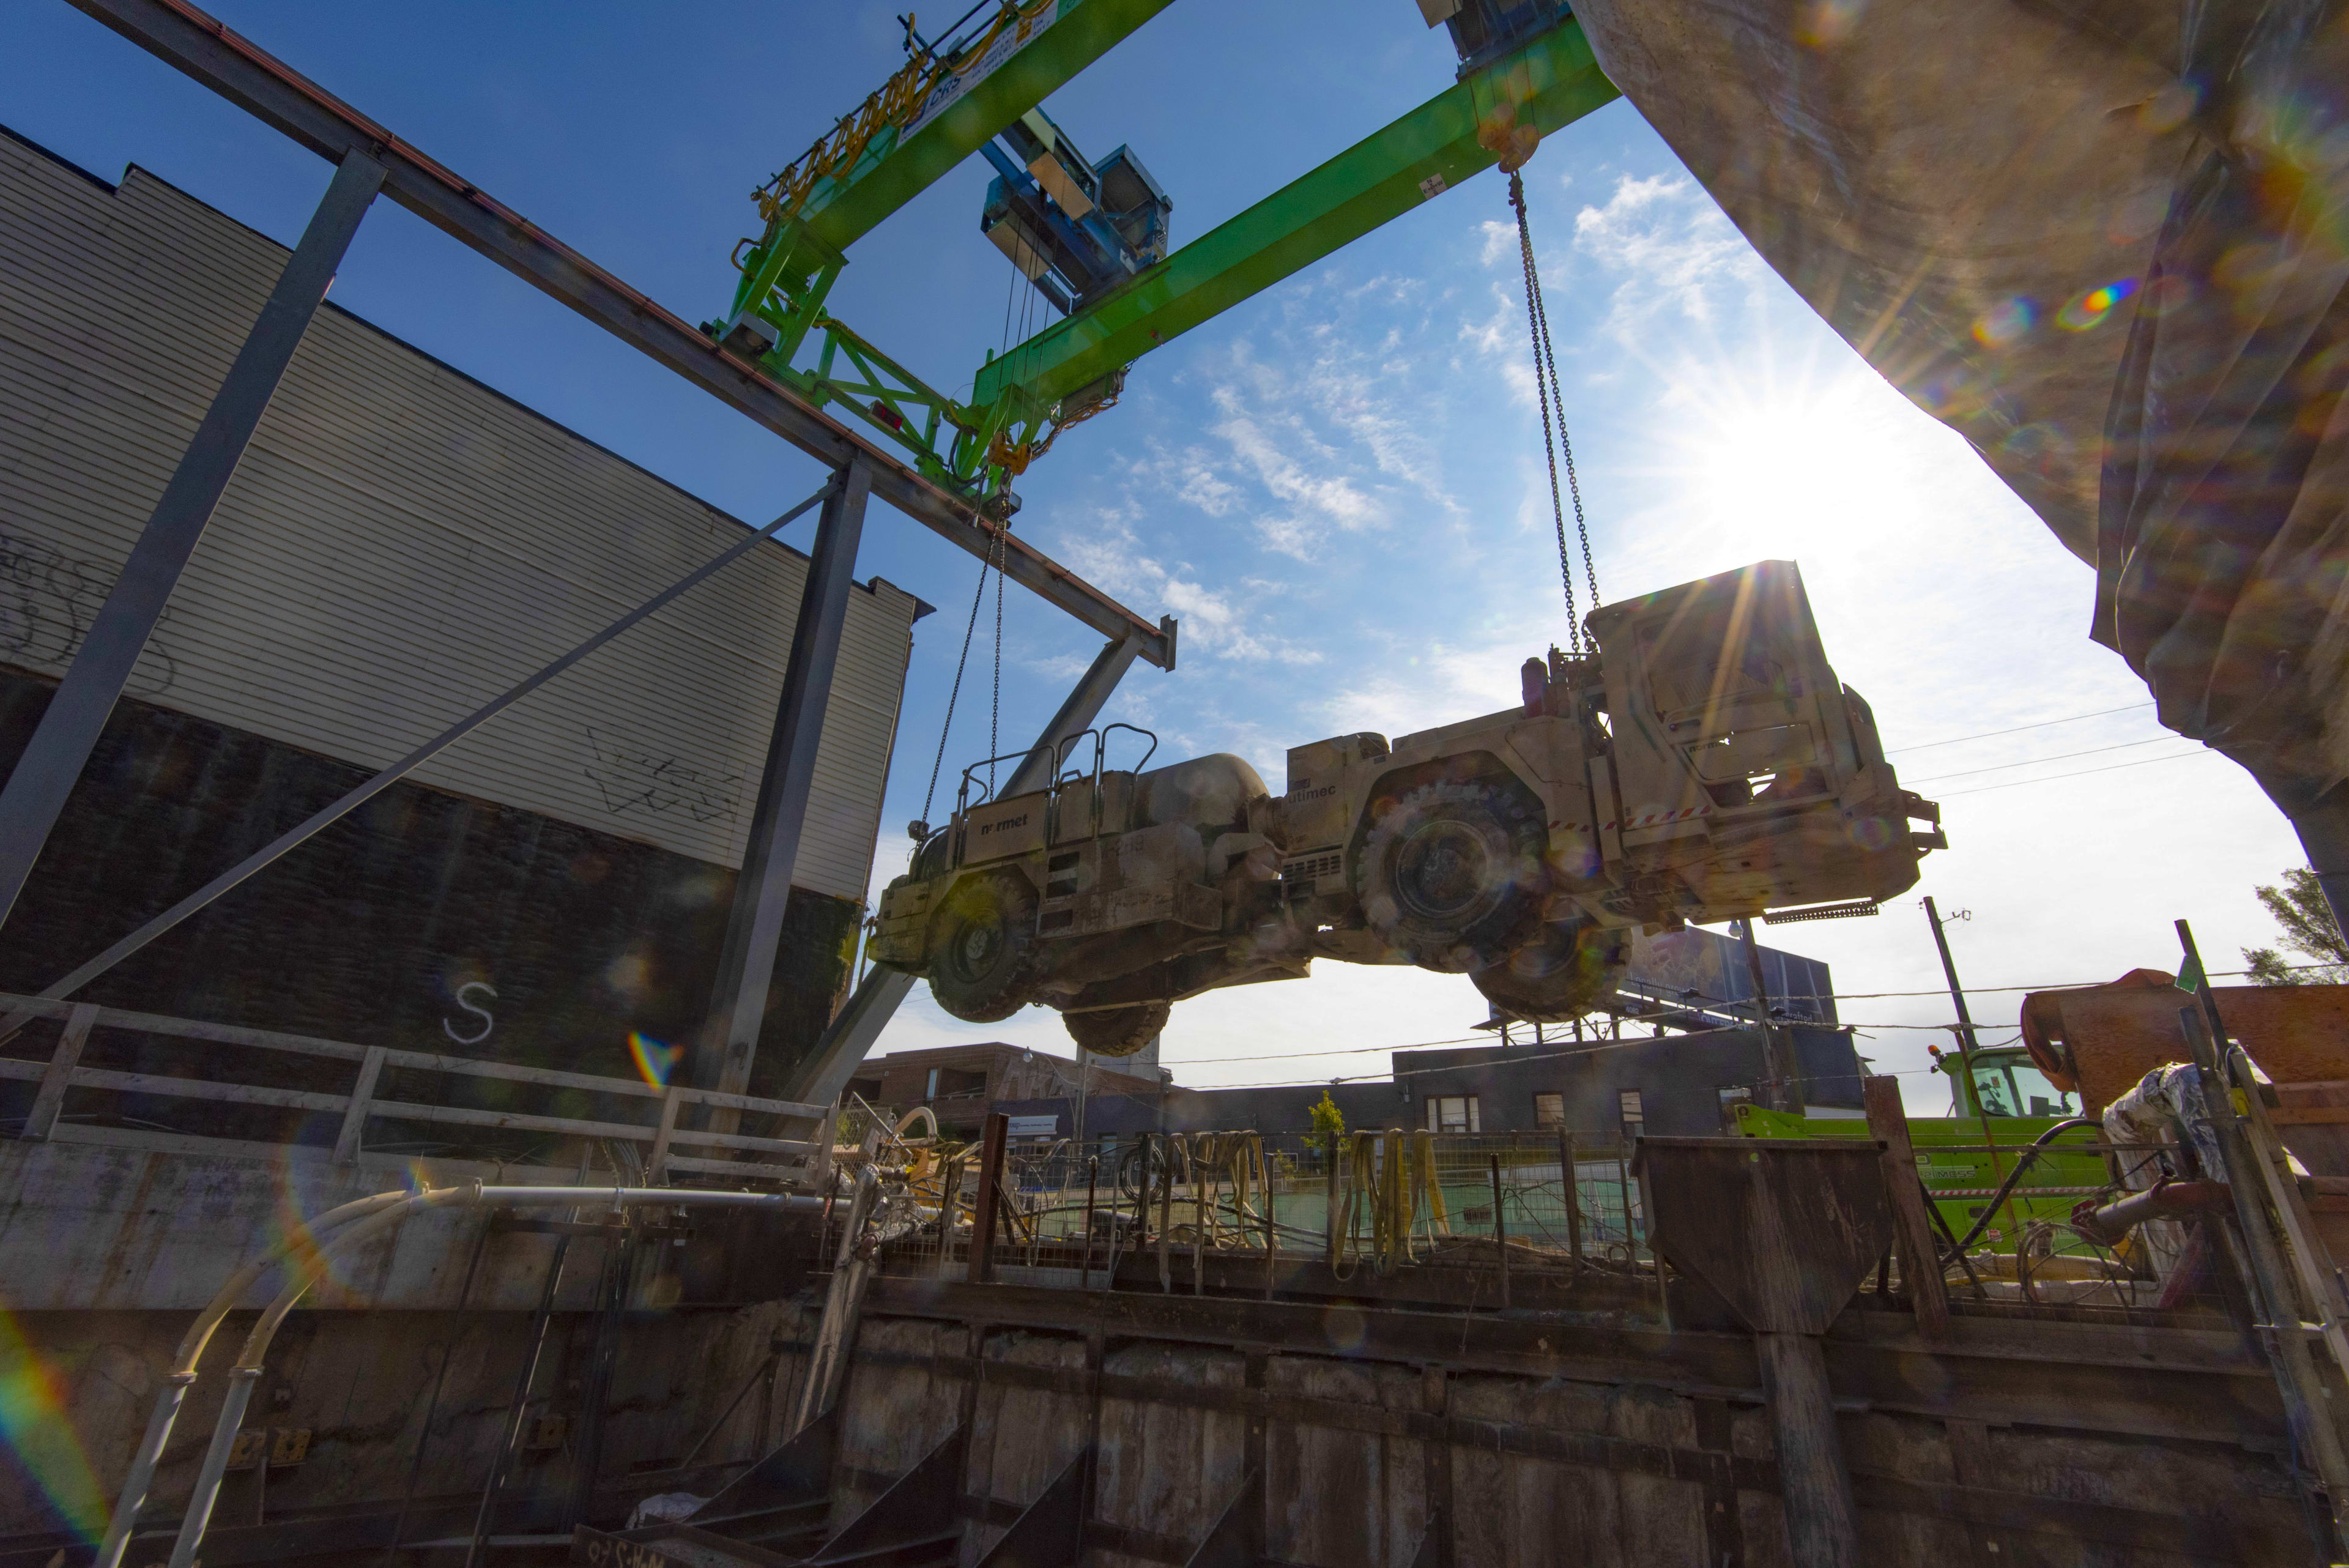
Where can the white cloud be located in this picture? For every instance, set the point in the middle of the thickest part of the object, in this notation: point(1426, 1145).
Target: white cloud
point(1500, 239)
point(1678, 253)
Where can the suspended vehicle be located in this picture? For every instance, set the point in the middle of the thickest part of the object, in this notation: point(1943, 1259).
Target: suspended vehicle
point(1696, 761)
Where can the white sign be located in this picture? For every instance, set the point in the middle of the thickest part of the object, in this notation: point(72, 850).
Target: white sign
point(1008, 43)
point(1035, 1127)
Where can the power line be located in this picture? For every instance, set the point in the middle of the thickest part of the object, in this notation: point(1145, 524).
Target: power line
point(2058, 757)
point(2042, 724)
point(1478, 1040)
point(1518, 1060)
point(1815, 996)
point(2084, 772)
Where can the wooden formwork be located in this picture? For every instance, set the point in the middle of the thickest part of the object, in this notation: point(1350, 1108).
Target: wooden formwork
point(1523, 1443)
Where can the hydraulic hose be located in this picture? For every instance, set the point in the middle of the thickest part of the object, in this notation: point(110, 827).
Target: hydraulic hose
point(183, 1371)
point(2037, 1147)
point(378, 1216)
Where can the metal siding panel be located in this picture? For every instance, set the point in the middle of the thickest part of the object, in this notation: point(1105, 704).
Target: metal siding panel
point(400, 545)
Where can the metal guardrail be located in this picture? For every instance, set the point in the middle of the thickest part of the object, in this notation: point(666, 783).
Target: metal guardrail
point(63, 1072)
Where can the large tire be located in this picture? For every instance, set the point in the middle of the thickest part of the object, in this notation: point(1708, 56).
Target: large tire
point(1452, 874)
point(983, 949)
point(1565, 971)
point(1118, 1030)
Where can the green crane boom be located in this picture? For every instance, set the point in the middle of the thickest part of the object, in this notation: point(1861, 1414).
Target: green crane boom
point(1550, 83)
point(935, 114)
point(897, 164)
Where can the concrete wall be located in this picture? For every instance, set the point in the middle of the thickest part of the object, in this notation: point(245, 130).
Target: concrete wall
point(1552, 1438)
point(107, 1250)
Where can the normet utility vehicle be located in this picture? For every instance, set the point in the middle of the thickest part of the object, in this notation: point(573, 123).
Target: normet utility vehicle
point(1697, 761)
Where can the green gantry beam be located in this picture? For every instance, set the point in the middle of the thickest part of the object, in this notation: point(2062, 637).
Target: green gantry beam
point(1554, 80)
point(891, 171)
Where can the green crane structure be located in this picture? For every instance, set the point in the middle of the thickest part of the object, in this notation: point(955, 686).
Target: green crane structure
point(951, 100)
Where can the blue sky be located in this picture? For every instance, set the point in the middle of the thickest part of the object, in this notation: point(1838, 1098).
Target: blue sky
point(1338, 486)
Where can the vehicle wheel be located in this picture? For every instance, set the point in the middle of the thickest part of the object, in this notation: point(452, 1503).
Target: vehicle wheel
point(1453, 872)
point(1567, 969)
point(1118, 1030)
point(983, 949)
point(1137, 1181)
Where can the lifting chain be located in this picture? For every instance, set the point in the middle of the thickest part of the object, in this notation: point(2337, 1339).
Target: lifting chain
point(992, 562)
point(1546, 388)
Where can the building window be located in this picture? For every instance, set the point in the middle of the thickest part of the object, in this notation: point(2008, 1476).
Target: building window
point(1549, 1111)
point(1634, 1120)
point(930, 1091)
point(1453, 1114)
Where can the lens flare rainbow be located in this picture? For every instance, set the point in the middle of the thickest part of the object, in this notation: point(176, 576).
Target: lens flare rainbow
point(34, 1427)
point(655, 1061)
point(2089, 307)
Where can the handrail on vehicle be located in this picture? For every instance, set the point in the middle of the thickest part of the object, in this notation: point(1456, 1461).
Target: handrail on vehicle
point(1058, 780)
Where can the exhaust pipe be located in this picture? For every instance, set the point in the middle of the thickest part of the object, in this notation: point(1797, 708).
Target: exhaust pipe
point(2165, 1200)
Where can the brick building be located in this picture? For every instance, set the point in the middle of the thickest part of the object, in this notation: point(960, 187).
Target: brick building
point(961, 1084)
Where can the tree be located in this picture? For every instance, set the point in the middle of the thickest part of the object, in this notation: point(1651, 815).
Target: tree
point(2309, 929)
point(1328, 1125)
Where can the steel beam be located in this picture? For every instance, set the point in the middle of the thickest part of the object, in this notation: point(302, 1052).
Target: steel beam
point(746, 963)
point(820, 1078)
point(60, 747)
point(281, 98)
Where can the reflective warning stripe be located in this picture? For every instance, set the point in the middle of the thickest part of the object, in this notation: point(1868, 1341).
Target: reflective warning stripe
point(1657, 820)
point(2018, 1192)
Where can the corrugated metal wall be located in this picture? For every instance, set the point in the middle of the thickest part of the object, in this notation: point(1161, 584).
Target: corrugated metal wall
point(400, 545)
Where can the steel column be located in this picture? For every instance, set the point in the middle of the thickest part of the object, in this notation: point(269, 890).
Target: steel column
point(746, 965)
point(45, 775)
point(1777, 1046)
point(820, 1077)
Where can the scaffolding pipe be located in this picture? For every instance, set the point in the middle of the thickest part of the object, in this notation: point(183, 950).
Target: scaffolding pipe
point(183, 1372)
point(388, 1211)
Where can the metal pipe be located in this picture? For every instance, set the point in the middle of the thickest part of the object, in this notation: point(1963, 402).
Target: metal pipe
point(1786, 1087)
point(1329, 1238)
point(1092, 1180)
point(182, 1370)
point(2165, 1200)
point(1566, 1172)
point(432, 1402)
point(1167, 1216)
point(256, 1345)
point(517, 1407)
point(247, 1370)
point(2303, 1391)
point(1500, 1232)
point(1271, 1223)
point(1966, 1046)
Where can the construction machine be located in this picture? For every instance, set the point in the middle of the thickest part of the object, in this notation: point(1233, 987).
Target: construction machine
point(1698, 761)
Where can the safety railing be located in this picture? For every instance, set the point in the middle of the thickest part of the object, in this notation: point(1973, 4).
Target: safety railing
point(1404, 1212)
point(663, 1130)
point(1195, 1207)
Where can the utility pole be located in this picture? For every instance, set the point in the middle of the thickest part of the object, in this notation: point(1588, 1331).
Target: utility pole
point(1967, 1045)
point(1778, 1055)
